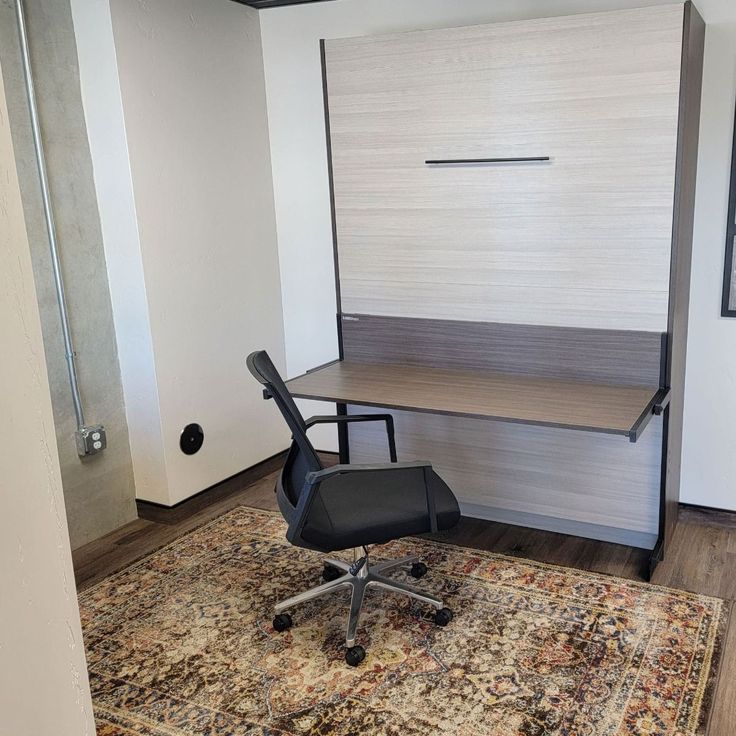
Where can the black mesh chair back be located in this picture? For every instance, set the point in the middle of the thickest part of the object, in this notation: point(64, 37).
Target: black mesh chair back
point(302, 458)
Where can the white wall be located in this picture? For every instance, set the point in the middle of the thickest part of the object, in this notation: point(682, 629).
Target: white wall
point(191, 245)
point(296, 118)
point(103, 110)
point(709, 453)
point(43, 674)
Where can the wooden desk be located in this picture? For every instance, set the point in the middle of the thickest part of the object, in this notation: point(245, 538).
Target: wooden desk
point(592, 407)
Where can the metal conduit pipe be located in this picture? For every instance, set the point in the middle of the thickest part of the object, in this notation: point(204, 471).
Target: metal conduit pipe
point(86, 445)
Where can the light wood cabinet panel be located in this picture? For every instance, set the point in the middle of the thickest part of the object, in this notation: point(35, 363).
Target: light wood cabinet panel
point(582, 240)
point(537, 476)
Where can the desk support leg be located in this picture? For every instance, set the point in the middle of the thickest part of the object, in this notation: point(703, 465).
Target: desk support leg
point(343, 436)
point(657, 554)
point(655, 557)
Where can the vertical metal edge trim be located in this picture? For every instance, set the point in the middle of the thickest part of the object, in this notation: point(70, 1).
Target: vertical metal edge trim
point(333, 214)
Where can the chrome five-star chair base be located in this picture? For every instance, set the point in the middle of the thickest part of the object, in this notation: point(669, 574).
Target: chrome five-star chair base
point(358, 576)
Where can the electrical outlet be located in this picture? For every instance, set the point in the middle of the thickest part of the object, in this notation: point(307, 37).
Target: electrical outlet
point(91, 440)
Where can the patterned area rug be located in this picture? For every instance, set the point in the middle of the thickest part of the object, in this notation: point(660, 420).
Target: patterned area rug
point(182, 643)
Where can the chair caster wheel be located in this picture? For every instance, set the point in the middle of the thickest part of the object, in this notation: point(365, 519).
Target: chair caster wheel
point(354, 655)
point(443, 617)
point(282, 622)
point(418, 570)
point(330, 573)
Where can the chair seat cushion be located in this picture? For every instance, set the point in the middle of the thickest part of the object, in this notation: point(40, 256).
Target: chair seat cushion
point(355, 509)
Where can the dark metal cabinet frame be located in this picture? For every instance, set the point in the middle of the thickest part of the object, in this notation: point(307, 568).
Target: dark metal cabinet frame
point(675, 341)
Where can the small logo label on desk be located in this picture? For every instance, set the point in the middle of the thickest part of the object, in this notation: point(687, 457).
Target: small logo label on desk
point(348, 318)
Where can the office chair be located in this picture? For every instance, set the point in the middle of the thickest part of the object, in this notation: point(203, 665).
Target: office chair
point(353, 506)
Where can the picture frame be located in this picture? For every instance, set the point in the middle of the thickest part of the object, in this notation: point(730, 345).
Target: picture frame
point(728, 301)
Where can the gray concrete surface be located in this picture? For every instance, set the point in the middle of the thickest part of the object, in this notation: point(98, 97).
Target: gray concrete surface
point(99, 491)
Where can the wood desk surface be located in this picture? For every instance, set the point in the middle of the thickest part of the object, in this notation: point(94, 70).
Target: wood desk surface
point(483, 395)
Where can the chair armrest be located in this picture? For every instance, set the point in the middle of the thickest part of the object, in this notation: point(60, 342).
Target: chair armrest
point(348, 418)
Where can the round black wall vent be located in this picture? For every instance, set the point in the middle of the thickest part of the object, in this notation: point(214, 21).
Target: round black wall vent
point(192, 439)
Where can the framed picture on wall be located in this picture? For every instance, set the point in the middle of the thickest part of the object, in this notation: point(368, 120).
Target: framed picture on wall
point(728, 305)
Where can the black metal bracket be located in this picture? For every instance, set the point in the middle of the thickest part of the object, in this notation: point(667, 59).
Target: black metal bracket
point(655, 407)
point(663, 403)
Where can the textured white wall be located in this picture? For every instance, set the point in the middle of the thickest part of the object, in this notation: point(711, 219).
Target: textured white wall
point(709, 452)
point(296, 119)
point(103, 109)
point(43, 674)
point(192, 253)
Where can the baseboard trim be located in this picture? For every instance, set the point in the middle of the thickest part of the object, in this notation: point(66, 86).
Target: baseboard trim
point(328, 455)
point(629, 537)
point(714, 509)
point(174, 514)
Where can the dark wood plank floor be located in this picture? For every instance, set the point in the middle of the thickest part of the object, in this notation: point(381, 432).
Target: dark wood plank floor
point(702, 556)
